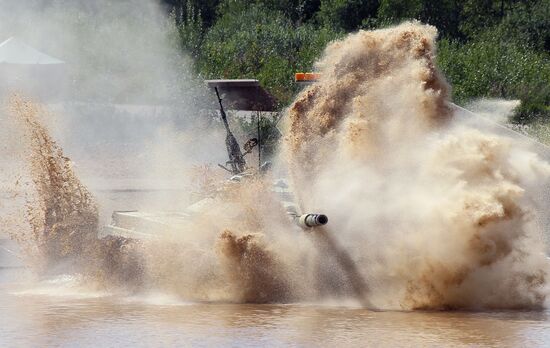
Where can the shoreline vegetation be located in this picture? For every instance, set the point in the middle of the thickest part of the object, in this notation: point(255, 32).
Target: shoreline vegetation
point(486, 48)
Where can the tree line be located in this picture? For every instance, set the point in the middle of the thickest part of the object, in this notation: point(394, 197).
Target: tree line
point(487, 48)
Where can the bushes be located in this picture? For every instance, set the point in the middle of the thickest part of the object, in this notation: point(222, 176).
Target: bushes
point(346, 15)
point(493, 67)
point(256, 42)
point(488, 48)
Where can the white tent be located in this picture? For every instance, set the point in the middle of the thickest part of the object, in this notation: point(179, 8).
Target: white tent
point(24, 69)
point(13, 51)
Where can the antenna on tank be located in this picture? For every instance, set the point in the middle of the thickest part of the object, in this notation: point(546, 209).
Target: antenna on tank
point(236, 158)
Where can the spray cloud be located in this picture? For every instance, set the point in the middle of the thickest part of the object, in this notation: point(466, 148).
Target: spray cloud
point(435, 213)
point(431, 213)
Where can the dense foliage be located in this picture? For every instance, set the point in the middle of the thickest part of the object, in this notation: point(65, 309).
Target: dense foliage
point(487, 48)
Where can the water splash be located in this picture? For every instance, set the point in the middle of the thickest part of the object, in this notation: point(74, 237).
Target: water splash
point(435, 214)
point(61, 212)
point(425, 211)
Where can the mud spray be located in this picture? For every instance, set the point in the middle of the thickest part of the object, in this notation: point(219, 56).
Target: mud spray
point(61, 212)
point(435, 214)
point(424, 212)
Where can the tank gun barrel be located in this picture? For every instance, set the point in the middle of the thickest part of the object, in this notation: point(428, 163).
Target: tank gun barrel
point(311, 220)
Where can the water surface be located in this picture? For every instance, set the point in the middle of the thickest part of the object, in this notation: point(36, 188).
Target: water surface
point(55, 312)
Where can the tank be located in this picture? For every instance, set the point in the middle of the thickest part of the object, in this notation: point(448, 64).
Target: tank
point(139, 225)
point(145, 225)
point(135, 224)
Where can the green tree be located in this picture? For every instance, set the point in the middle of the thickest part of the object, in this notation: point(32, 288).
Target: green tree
point(298, 11)
point(207, 8)
point(190, 28)
point(399, 9)
point(496, 66)
point(443, 14)
point(529, 23)
point(347, 15)
point(257, 42)
point(479, 15)
point(488, 48)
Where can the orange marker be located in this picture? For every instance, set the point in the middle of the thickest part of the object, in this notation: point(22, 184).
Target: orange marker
point(306, 77)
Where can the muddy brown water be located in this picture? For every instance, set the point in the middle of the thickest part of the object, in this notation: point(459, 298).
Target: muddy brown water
point(55, 312)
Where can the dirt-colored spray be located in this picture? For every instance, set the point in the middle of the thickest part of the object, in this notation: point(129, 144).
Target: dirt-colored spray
point(435, 214)
point(240, 248)
point(199, 261)
point(425, 212)
point(61, 212)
